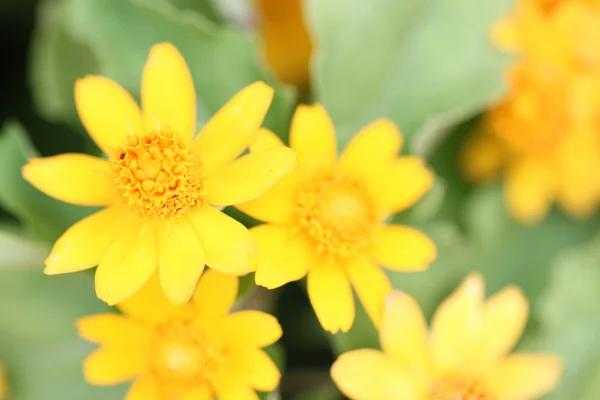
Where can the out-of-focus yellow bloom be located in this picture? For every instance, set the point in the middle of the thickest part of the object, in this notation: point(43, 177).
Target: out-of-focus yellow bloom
point(160, 185)
point(3, 386)
point(464, 356)
point(194, 351)
point(545, 134)
point(286, 43)
point(325, 218)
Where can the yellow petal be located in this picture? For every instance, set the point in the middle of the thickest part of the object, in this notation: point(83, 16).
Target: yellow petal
point(504, 318)
point(107, 112)
point(259, 370)
point(400, 184)
point(276, 204)
point(265, 139)
point(149, 304)
point(282, 256)
point(524, 376)
point(216, 292)
point(143, 388)
point(128, 264)
point(401, 248)
point(232, 389)
point(369, 375)
point(200, 392)
point(180, 259)
point(73, 178)
point(404, 334)
point(232, 128)
point(373, 147)
point(113, 365)
point(227, 243)
point(260, 329)
point(249, 177)
point(483, 157)
point(457, 325)
point(529, 189)
point(331, 296)
point(505, 35)
point(312, 137)
point(168, 95)
point(84, 244)
point(371, 285)
point(111, 328)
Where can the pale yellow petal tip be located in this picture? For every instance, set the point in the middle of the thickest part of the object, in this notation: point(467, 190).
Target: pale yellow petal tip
point(28, 171)
point(51, 265)
point(473, 285)
point(159, 48)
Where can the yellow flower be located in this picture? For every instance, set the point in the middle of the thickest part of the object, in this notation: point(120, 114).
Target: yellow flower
point(194, 351)
point(325, 218)
point(3, 388)
point(464, 356)
point(286, 44)
point(544, 136)
point(162, 188)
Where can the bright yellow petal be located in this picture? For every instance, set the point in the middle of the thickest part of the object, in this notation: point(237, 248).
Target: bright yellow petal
point(216, 292)
point(369, 375)
point(371, 285)
point(180, 259)
point(259, 370)
point(373, 147)
point(73, 178)
point(457, 325)
point(233, 389)
point(128, 264)
point(404, 335)
point(232, 128)
point(401, 248)
point(331, 296)
point(529, 189)
point(282, 256)
point(200, 392)
point(259, 329)
point(113, 365)
point(149, 304)
point(265, 139)
point(107, 112)
point(312, 136)
point(84, 244)
point(143, 388)
point(276, 204)
point(505, 35)
point(111, 328)
point(249, 177)
point(524, 376)
point(227, 243)
point(168, 95)
point(400, 184)
point(504, 318)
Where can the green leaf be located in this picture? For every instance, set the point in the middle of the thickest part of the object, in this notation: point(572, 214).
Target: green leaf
point(19, 252)
point(222, 60)
point(38, 340)
point(45, 217)
point(420, 63)
point(204, 7)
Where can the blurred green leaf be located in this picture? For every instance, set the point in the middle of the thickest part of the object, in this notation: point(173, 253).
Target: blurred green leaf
point(205, 7)
point(45, 217)
point(38, 340)
point(408, 60)
point(19, 252)
point(570, 322)
point(325, 392)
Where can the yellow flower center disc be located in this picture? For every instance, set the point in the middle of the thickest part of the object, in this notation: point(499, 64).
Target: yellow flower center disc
point(157, 175)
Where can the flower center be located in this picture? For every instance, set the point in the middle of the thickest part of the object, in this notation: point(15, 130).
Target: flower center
point(336, 212)
point(157, 175)
point(451, 388)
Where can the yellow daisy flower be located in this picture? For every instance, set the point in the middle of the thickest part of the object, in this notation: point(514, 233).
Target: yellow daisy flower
point(193, 351)
point(162, 188)
point(326, 217)
point(544, 136)
point(464, 356)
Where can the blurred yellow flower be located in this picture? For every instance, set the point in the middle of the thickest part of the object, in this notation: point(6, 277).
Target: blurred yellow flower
point(325, 218)
point(194, 351)
point(463, 357)
point(3, 386)
point(160, 185)
point(286, 43)
point(545, 134)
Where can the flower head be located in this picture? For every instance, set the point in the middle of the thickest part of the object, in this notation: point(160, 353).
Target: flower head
point(545, 134)
point(325, 218)
point(194, 351)
point(463, 357)
point(161, 186)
